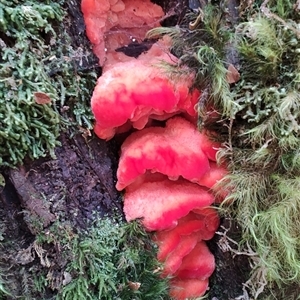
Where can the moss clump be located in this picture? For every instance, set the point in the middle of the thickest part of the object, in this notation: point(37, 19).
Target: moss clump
point(114, 261)
point(264, 139)
point(36, 58)
point(110, 260)
point(26, 127)
point(259, 119)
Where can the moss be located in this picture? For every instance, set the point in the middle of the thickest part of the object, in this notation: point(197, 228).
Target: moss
point(26, 127)
point(203, 50)
point(4, 290)
point(36, 57)
point(110, 260)
point(114, 261)
point(265, 141)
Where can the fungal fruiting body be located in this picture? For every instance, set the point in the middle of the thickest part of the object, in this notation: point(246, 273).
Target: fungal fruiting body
point(191, 278)
point(160, 204)
point(182, 289)
point(174, 150)
point(111, 24)
point(167, 169)
point(168, 183)
point(120, 101)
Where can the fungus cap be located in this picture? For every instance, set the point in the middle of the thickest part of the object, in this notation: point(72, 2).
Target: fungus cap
point(182, 289)
point(173, 261)
point(198, 264)
point(132, 19)
point(204, 223)
point(160, 204)
point(119, 98)
point(174, 151)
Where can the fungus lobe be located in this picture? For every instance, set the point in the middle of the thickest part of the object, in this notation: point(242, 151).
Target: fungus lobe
point(182, 289)
point(111, 24)
point(204, 223)
point(174, 259)
point(160, 204)
point(118, 98)
point(197, 264)
point(174, 151)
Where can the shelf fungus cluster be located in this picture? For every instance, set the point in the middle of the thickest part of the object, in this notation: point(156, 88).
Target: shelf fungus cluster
point(167, 168)
point(167, 176)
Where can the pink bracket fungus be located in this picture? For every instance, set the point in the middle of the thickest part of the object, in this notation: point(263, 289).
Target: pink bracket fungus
point(114, 23)
point(182, 289)
point(168, 172)
point(204, 223)
point(174, 151)
point(174, 259)
point(120, 100)
point(198, 264)
point(212, 176)
point(191, 278)
point(160, 204)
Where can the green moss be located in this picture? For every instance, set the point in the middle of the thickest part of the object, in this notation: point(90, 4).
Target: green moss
point(110, 260)
point(37, 57)
point(203, 50)
point(265, 140)
point(3, 273)
point(3, 291)
point(26, 127)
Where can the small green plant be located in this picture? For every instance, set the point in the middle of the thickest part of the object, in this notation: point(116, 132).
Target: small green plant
point(114, 261)
point(37, 61)
point(26, 126)
point(202, 48)
point(111, 259)
point(3, 287)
